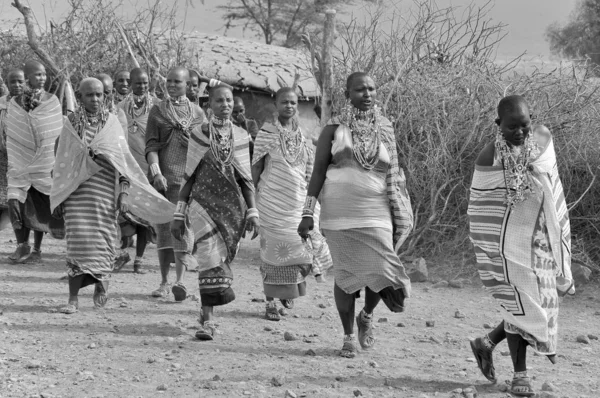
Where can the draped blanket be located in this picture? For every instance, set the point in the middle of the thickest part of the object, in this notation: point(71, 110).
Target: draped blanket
point(399, 200)
point(281, 193)
point(217, 207)
point(137, 120)
point(74, 166)
point(511, 249)
point(30, 138)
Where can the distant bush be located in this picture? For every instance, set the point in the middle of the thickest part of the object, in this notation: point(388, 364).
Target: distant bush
point(440, 84)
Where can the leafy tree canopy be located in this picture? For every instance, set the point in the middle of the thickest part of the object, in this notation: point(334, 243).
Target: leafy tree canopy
point(578, 38)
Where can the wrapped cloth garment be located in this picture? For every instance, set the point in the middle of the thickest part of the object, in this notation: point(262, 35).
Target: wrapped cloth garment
point(163, 137)
point(3, 156)
point(217, 212)
point(137, 120)
point(523, 251)
point(280, 197)
point(366, 216)
point(88, 188)
point(30, 138)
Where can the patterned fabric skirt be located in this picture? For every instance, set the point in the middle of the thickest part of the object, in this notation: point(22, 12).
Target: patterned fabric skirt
point(365, 257)
point(544, 268)
point(91, 225)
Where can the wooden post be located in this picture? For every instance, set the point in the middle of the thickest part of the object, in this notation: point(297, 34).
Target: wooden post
point(327, 66)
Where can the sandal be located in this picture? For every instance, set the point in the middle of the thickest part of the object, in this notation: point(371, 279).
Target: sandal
point(521, 387)
point(287, 303)
point(122, 259)
point(485, 360)
point(271, 313)
point(22, 251)
point(162, 291)
point(349, 349)
point(365, 331)
point(206, 331)
point(71, 308)
point(179, 291)
point(100, 294)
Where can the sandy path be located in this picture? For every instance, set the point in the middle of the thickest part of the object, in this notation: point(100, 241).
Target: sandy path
point(138, 344)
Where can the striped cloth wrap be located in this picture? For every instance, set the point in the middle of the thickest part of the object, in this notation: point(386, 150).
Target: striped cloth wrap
point(30, 138)
point(504, 239)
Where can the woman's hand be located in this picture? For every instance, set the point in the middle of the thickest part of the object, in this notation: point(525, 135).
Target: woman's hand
point(59, 212)
point(122, 204)
point(178, 229)
point(307, 224)
point(252, 224)
point(160, 183)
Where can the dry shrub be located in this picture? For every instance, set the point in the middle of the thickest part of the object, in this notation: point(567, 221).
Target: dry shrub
point(440, 84)
point(87, 41)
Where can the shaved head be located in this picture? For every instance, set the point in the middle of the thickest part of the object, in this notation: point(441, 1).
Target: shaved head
point(15, 72)
point(238, 101)
point(122, 73)
point(137, 73)
point(285, 90)
point(180, 72)
point(91, 94)
point(33, 66)
point(15, 81)
point(90, 83)
point(106, 81)
point(512, 103)
point(353, 77)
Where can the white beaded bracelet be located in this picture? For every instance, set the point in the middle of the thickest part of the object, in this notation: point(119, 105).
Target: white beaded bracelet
point(154, 169)
point(251, 212)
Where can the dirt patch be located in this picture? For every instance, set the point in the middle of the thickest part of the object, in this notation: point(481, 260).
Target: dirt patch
point(143, 347)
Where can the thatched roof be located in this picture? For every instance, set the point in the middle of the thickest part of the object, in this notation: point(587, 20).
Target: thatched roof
point(251, 65)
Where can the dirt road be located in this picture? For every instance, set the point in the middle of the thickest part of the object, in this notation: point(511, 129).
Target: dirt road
point(143, 347)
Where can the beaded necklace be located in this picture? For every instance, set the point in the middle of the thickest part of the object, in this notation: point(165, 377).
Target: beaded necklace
point(181, 122)
point(221, 139)
point(292, 142)
point(134, 110)
point(516, 163)
point(83, 119)
point(366, 134)
point(31, 98)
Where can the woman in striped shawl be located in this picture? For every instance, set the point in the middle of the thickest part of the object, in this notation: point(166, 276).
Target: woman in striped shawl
point(218, 200)
point(520, 230)
point(366, 213)
point(282, 165)
point(33, 122)
point(95, 178)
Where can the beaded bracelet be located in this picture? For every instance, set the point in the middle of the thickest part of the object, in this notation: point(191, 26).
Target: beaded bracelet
point(309, 203)
point(154, 169)
point(306, 213)
point(213, 82)
point(181, 207)
point(178, 216)
point(251, 212)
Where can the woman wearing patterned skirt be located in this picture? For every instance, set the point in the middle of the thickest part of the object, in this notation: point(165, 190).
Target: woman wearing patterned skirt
point(282, 165)
point(93, 176)
point(217, 201)
point(520, 229)
point(366, 213)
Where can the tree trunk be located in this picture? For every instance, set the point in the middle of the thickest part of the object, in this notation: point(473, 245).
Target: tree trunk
point(32, 38)
point(327, 65)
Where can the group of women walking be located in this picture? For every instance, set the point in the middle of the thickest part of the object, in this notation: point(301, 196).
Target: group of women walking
point(345, 205)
